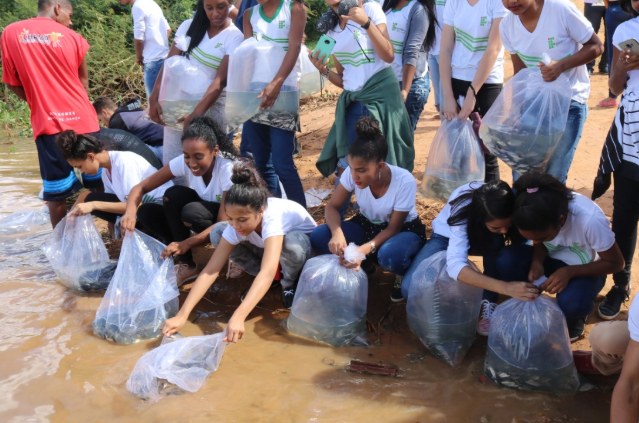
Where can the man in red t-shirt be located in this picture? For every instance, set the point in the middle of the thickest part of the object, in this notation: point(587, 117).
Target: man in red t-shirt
point(44, 63)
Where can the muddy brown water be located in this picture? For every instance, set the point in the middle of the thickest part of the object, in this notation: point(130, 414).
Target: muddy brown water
point(53, 369)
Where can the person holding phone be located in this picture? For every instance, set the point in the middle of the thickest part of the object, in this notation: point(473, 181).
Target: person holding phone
point(362, 55)
point(620, 156)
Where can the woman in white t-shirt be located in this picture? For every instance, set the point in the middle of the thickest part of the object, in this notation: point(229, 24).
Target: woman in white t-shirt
point(120, 172)
point(471, 62)
point(386, 228)
point(262, 236)
point(557, 29)
point(206, 40)
point(206, 165)
point(573, 246)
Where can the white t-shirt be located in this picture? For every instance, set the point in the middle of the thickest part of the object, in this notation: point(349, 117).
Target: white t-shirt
point(209, 53)
point(472, 25)
point(586, 231)
point(633, 319)
point(220, 177)
point(400, 196)
point(150, 26)
point(560, 32)
point(354, 49)
point(398, 27)
point(439, 12)
point(280, 217)
point(624, 32)
point(127, 170)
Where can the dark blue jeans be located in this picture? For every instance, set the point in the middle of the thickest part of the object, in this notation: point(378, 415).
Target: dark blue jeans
point(615, 16)
point(395, 255)
point(596, 15)
point(151, 71)
point(560, 162)
point(416, 99)
point(575, 301)
point(272, 150)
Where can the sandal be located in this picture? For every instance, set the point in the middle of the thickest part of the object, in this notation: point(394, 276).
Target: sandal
point(607, 103)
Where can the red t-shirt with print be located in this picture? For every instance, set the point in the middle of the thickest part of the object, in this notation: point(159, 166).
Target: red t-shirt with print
point(43, 57)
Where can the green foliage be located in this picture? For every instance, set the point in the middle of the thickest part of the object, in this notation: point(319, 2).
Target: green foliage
point(315, 10)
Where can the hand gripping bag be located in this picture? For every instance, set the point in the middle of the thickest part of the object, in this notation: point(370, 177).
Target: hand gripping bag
point(183, 85)
point(181, 365)
point(527, 120)
point(330, 303)
point(441, 311)
point(78, 255)
point(529, 348)
point(252, 66)
point(455, 158)
point(142, 294)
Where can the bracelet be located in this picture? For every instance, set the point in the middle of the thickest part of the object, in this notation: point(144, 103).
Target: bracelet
point(326, 73)
point(473, 90)
point(367, 24)
point(373, 247)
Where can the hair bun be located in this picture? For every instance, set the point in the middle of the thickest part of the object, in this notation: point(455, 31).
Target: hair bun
point(67, 140)
point(367, 128)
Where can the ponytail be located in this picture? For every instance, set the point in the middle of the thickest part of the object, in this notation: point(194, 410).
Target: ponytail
point(541, 203)
point(77, 146)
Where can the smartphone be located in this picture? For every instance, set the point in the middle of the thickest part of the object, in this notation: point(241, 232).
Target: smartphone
point(632, 45)
point(324, 47)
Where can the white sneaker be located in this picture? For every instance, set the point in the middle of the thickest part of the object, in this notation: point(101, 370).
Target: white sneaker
point(486, 312)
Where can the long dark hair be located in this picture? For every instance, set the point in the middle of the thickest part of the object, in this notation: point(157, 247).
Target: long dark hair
point(76, 146)
point(490, 201)
point(206, 129)
point(626, 6)
point(199, 26)
point(249, 189)
point(541, 202)
point(429, 7)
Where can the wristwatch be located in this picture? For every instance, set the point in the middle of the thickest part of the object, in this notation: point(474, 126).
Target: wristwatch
point(373, 247)
point(367, 24)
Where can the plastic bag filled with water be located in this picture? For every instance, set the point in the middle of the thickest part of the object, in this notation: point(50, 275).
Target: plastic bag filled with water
point(529, 347)
point(183, 85)
point(455, 158)
point(441, 311)
point(310, 78)
point(252, 66)
point(330, 303)
point(24, 221)
point(175, 367)
point(78, 256)
point(527, 120)
point(142, 294)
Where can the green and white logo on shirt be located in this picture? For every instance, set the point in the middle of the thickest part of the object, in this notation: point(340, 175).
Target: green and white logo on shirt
point(551, 42)
point(483, 21)
point(281, 24)
point(218, 45)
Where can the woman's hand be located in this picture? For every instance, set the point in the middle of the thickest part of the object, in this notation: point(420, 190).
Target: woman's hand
point(82, 209)
point(536, 271)
point(558, 281)
point(551, 71)
point(524, 291)
point(269, 94)
point(628, 61)
point(317, 61)
point(187, 119)
point(173, 325)
point(337, 244)
point(404, 95)
point(176, 248)
point(450, 108)
point(357, 14)
point(234, 330)
point(469, 105)
point(155, 112)
point(128, 221)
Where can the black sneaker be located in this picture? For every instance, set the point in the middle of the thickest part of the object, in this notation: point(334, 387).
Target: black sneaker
point(603, 70)
point(576, 329)
point(368, 267)
point(287, 296)
point(610, 307)
point(396, 293)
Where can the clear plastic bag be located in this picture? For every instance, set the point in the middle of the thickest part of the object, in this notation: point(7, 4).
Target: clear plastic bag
point(24, 221)
point(310, 78)
point(529, 348)
point(78, 255)
point(441, 311)
point(183, 86)
point(174, 367)
point(142, 294)
point(252, 66)
point(527, 120)
point(455, 158)
point(330, 303)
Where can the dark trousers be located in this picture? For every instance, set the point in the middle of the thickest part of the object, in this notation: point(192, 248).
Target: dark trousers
point(615, 16)
point(486, 96)
point(596, 15)
point(625, 215)
point(181, 211)
point(107, 198)
point(575, 301)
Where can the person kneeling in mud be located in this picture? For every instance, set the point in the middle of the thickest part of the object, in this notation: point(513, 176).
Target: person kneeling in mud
point(120, 172)
point(387, 228)
point(261, 234)
point(206, 164)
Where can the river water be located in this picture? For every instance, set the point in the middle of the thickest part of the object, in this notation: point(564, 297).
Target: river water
point(53, 369)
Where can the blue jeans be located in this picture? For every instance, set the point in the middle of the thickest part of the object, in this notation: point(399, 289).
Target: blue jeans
point(434, 245)
point(272, 150)
point(561, 159)
point(614, 17)
point(575, 301)
point(394, 255)
point(151, 71)
point(416, 99)
point(433, 71)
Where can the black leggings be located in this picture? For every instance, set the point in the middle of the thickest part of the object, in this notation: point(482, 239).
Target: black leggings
point(486, 96)
point(107, 198)
point(181, 211)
